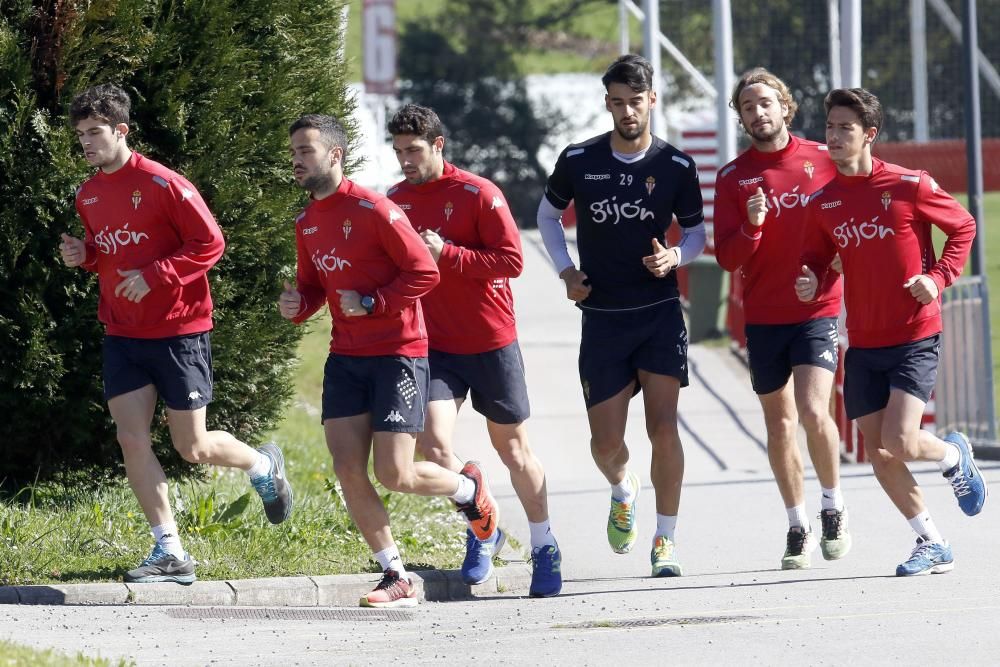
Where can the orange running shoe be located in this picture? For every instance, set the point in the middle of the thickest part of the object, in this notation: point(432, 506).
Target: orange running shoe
point(392, 591)
point(482, 513)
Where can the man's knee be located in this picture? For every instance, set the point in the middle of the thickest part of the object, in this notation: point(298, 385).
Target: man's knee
point(133, 442)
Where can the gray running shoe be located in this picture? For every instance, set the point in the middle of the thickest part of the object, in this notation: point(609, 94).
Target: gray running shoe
point(162, 566)
point(273, 488)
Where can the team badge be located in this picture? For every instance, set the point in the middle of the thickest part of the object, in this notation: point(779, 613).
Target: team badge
point(136, 199)
point(886, 199)
point(347, 228)
point(448, 208)
point(809, 168)
point(650, 184)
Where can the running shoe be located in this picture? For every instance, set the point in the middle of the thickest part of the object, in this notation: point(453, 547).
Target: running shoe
point(163, 566)
point(392, 591)
point(482, 513)
point(662, 558)
point(927, 558)
point(546, 571)
point(478, 564)
point(622, 529)
point(273, 488)
point(834, 541)
point(799, 545)
point(966, 482)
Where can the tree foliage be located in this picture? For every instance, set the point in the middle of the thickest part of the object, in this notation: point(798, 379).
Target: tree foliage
point(214, 87)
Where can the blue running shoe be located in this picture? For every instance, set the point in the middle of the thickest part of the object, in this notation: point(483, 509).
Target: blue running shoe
point(273, 488)
point(966, 482)
point(478, 564)
point(162, 566)
point(927, 558)
point(546, 571)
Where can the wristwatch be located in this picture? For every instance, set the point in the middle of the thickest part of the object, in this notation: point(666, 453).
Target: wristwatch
point(368, 303)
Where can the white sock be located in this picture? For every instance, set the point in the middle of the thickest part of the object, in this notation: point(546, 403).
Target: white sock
point(388, 559)
point(797, 517)
point(951, 458)
point(541, 534)
point(832, 499)
point(666, 526)
point(466, 491)
point(168, 539)
point(923, 525)
point(623, 491)
point(260, 467)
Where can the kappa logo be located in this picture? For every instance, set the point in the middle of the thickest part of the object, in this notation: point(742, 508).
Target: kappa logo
point(88, 202)
point(751, 181)
point(394, 417)
point(597, 177)
point(310, 230)
point(194, 396)
point(394, 215)
point(827, 356)
point(186, 194)
point(497, 203)
point(832, 204)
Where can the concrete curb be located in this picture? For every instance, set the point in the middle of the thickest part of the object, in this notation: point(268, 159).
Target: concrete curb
point(342, 590)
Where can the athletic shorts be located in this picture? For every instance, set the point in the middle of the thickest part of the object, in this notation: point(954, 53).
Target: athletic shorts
point(180, 367)
point(495, 378)
point(870, 372)
point(392, 388)
point(774, 349)
point(615, 346)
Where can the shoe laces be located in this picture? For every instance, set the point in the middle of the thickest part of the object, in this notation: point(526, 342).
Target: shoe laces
point(960, 483)
point(544, 557)
point(923, 550)
point(796, 542)
point(663, 547)
point(265, 487)
point(157, 554)
point(391, 582)
point(621, 515)
point(832, 523)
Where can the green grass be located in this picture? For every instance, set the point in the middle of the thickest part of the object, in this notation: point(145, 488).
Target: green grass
point(22, 656)
point(50, 534)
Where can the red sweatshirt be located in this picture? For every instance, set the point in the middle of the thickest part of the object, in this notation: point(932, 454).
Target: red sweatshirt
point(472, 310)
point(147, 217)
point(881, 226)
point(768, 256)
point(356, 239)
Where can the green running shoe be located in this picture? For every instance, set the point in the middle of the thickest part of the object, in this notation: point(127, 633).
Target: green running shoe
point(799, 548)
point(835, 541)
point(662, 558)
point(622, 529)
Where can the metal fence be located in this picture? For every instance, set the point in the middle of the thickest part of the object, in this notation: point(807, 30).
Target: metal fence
point(964, 395)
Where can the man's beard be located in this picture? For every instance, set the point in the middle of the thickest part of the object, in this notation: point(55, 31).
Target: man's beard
point(767, 137)
point(634, 133)
point(318, 183)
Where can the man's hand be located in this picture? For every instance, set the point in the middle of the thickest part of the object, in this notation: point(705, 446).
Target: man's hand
point(72, 250)
point(290, 302)
point(134, 287)
point(757, 208)
point(663, 260)
point(806, 284)
point(923, 288)
point(577, 287)
point(350, 303)
point(433, 241)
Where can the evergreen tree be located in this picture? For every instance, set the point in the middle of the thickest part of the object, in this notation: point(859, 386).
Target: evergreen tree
point(214, 88)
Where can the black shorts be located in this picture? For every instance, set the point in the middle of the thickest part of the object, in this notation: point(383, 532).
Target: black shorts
point(496, 379)
point(392, 388)
point(774, 349)
point(615, 346)
point(870, 372)
point(179, 367)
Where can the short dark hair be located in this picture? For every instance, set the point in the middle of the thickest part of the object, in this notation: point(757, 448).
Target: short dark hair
point(632, 70)
point(105, 102)
point(860, 101)
point(760, 75)
point(331, 132)
point(417, 120)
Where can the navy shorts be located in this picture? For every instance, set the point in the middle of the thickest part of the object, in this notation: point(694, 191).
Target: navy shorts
point(495, 378)
point(870, 372)
point(773, 349)
point(179, 367)
point(392, 388)
point(615, 346)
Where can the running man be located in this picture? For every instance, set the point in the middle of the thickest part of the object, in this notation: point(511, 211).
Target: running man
point(760, 204)
point(468, 228)
point(878, 217)
point(151, 240)
point(358, 254)
point(627, 186)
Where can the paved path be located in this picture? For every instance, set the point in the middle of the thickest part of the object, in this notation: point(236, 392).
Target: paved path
point(733, 606)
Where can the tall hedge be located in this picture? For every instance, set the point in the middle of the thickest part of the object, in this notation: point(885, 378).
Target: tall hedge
point(214, 87)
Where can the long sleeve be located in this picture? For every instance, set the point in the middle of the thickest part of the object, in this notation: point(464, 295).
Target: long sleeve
point(938, 208)
point(735, 239)
point(501, 255)
point(418, 273)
